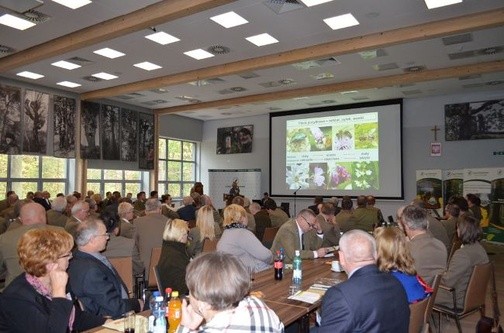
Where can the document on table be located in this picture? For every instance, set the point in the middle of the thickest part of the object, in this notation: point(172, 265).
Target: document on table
point(306, 296)
point(141, 324)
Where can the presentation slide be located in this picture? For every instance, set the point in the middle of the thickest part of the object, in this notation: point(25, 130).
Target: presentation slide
point(347, 150)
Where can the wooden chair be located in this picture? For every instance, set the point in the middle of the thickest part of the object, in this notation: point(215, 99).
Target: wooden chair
point(154, 259)
point(155, 272)
point(430, 304)
point(124, 267)
point(269, 236)
point(417, 315)
point(455, 245)
point(209, 245)
point(474, 297)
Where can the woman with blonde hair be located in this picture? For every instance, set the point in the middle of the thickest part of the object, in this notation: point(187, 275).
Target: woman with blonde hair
point(174, 257)
point(37, 300)
point(206, 228)
point(394, 257)
point(241, 242)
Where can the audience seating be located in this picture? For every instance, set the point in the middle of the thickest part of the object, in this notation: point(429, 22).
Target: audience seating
point(269, 236)
point(209, 245)
point(154, 259)
point(124, 267)
point(474, 297)
point(430, 303)
point(417, 315)
point(455, 245)
point(159, 285)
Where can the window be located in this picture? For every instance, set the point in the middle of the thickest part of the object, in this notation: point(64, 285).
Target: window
point(177, 167)
point(124, 181)
point(25, 173)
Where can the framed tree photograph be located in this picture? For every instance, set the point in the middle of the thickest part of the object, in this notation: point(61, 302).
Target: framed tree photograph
point(35, 111)
point(110, 132)
point(64, 127)
point(90, 130)
point(10, 120)
point(145, 141)
point(129, 135)
point(235, 140)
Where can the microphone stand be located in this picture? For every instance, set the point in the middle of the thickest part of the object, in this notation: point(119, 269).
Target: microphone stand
point(295, 196)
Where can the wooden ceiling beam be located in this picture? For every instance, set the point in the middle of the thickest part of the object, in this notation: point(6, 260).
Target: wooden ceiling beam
point(368, 83)
point(425, 31)
point(150, 16)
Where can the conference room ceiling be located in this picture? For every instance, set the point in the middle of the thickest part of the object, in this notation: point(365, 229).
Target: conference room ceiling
point(396, 51)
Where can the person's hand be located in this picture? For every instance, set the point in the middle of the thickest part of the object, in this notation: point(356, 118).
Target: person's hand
point(190, 318)
point(322, 252)
point(59, 281)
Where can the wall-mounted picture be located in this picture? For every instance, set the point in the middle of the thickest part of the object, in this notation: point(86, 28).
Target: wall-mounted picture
point(90, 130)
point(474, 120)
point(35, 111)
point(10, 120)
point(64, 127)
point(110, 132)
point(129, 130)
point(235, 140)
point(145, 141)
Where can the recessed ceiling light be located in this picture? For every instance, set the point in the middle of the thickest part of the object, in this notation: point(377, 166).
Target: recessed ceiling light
point(310, 3)
point(341, 21)
point(431, 4)
point(198, 54)
point(105, 76)
point(148, 66)
point(73, 4)
point(30, 75)
point(109, 53)
point(65, 64)
point(15, 22)
point(262, 39)
point(162, 38)
point(229, 20)
point(68, 84)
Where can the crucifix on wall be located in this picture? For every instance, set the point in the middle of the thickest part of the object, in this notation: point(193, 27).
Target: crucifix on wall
point(435, 146)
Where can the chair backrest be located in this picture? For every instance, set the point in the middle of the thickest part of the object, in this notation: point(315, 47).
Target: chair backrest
point(432, 298)
point(209, 245)
point(155, 272)
point(417, 315)
point(269, 236)
point(476, 288)
point(124, 267)
point(154, 259)
point(455, 245)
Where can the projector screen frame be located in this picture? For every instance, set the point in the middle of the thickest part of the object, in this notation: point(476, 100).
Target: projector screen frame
point(336, 108)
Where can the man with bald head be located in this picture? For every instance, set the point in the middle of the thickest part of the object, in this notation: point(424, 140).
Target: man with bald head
point(32, 215)
point(370, 300)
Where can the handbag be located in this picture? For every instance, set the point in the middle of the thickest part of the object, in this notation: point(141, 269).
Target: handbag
point(488, 324)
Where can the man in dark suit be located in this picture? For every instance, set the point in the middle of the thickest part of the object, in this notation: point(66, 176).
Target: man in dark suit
point(91, 276)
point(369, 301)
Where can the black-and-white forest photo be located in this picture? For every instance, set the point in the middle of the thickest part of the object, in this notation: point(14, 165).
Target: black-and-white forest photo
point(129, 130)
point(110, 132)
point(145, 141)
point(10, 120)
point(35, 112)
point(90, 130)
point(64, 127)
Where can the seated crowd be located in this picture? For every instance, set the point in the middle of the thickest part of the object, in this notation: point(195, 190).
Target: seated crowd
point(54, 258)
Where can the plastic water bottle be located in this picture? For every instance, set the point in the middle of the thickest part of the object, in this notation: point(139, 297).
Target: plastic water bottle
point(159, 312)
point(278, 265)
point(297, 272)
point(174, 312)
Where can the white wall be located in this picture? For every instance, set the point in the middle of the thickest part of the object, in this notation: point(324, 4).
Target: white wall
point(419, 116)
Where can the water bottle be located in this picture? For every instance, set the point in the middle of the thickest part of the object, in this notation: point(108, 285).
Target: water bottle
point(152, 299)
point(174, 312)
point(278, 265)
point(297, 273)
point(159, 312)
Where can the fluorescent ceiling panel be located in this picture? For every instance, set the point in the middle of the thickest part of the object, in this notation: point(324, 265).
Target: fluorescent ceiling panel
point(229, 20)
point(68, 84)
point(109, 53)
point(30, 75)
point(66, 65)
point(262, 39)
point(15, 22)
point(341, 21)
point(310, 3)
point(73, 4)
point(431, 4)
point(198, 54)
point(105, 76)
point(148, 66)
point(162, 38)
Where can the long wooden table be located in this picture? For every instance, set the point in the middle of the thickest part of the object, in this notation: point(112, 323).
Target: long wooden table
point(275, 293)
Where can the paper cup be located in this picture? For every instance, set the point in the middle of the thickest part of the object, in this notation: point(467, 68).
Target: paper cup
point(335, 266)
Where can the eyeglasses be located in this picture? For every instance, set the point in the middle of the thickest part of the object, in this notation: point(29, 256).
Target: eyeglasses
point(69, 255)
point(311, 225)
point(107, 235)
